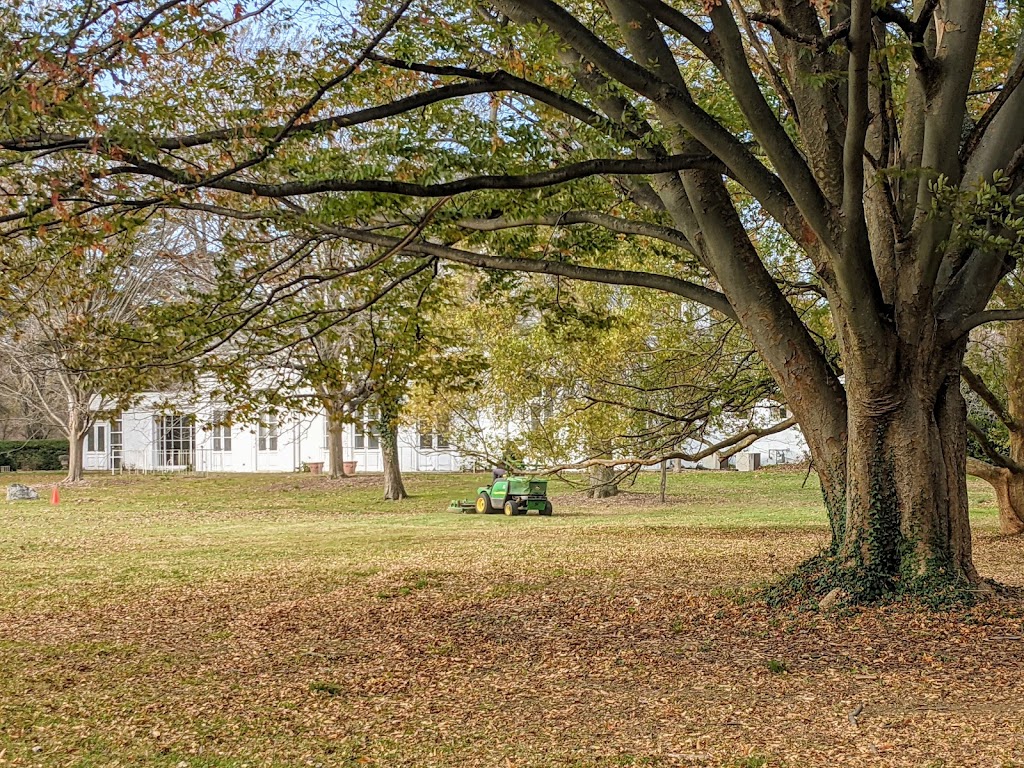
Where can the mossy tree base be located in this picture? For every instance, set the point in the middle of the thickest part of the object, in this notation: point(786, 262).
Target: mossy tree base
point(828, 575)
point(897, 501)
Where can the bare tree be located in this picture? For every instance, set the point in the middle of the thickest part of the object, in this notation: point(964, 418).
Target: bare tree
point(69, 305)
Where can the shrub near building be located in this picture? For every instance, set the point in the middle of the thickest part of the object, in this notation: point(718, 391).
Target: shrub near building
point(29, 455)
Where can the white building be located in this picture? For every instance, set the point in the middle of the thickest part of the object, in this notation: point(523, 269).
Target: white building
point(163, 434)
point(785, 447)
point(156, 436)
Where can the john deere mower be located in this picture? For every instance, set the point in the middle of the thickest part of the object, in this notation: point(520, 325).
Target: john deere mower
point(511, 495)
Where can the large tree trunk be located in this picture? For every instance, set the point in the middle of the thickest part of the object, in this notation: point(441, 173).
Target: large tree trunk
point(906, 527)
point(394, 488)
point(888, 446)
point(335, 446)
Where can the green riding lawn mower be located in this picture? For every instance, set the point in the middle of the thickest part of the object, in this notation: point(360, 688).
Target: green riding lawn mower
point(511, 495)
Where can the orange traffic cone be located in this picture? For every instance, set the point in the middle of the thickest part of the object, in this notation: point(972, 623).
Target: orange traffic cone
point(55, 496)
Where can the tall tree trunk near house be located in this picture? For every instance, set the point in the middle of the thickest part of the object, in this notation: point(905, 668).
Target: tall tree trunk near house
point(1008, 481)
point(335, 445)
point(76, 429)
point(394, 488)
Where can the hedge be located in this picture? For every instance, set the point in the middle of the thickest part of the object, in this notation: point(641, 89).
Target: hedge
point(32, 454)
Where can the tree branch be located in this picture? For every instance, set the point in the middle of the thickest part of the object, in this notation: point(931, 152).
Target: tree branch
point(766, 63)
point(566, 173)
point(729, 446)
point(819, 43)
point(855, 273)
point(981, 318)
point(796, 175)
point(569, 218)
point(987, 472)
point(765, 186)
point(505, 81)
point(914, 31)
point(275, 141)
point(684, 25)
point(57, 141)
point(990, 450)
point(665, 283)
point(978, 385)
point(992, 112)
point(668, 284)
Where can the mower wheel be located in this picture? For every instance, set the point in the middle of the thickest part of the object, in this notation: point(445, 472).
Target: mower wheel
point(483, 504)
point(510, 508)
point(548, 509)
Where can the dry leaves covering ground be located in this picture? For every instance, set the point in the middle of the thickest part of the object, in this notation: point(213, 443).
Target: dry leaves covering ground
point(300, 632)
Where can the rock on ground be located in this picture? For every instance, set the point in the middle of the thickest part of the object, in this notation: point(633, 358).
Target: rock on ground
point(19, 492)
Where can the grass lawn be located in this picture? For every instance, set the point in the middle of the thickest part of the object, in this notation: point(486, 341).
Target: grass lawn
point(288, 620)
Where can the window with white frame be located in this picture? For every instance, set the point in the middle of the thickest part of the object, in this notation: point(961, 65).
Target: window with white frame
point(96, 438)
point(220, 431)
point(426, 439)
point(175, 440)
point(268, 432)
point(367, 434)
point(430, 440)
point(116, 441)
